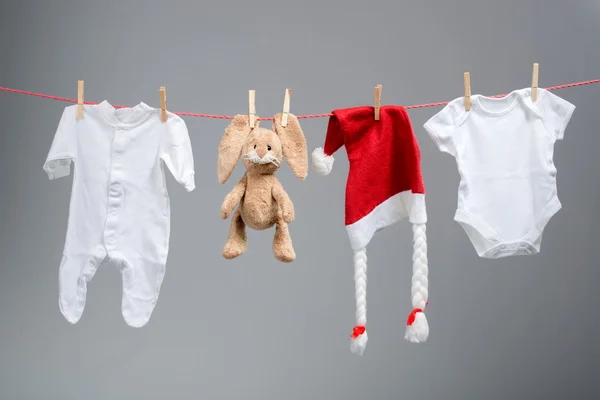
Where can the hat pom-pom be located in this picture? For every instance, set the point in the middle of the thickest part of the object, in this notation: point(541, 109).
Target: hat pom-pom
point(417, 328)
point(321, 162)
point(358, 340)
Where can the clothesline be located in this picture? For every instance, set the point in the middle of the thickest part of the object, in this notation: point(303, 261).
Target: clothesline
point(189, 114)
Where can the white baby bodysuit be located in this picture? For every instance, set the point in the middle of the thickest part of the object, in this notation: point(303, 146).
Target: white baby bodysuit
point(504, 152)
point(119, 207)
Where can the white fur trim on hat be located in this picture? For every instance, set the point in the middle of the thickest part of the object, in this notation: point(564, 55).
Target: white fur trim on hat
point(321, 162)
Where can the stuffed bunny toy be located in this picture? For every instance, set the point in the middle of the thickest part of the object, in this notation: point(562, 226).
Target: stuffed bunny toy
point(262, 200)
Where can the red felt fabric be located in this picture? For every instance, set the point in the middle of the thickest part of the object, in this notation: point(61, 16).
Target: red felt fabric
point(384, 156)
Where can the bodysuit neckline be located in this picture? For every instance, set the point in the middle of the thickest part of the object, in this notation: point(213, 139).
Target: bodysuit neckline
point(125, 118)
point(509, 102)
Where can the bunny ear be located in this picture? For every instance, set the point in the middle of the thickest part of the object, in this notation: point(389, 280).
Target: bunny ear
point(293, 144)
point(230, 148)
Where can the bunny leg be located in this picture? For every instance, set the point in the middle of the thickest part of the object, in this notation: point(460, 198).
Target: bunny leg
point(282, 242)
point(238, 240)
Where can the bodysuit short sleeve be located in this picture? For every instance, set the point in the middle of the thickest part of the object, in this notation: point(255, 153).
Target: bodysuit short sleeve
point(442, 128)
point(63, 148)
point(176, 152)
point(556, 113)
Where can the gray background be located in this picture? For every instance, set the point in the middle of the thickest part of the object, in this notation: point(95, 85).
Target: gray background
point(253, 328)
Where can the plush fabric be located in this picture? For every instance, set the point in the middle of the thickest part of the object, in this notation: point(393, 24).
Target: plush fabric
point(261, 200)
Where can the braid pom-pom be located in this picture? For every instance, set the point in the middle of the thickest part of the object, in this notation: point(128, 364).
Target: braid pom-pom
point(417, 328)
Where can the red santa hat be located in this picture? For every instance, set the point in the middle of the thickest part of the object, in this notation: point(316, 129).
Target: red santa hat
point(384, 186)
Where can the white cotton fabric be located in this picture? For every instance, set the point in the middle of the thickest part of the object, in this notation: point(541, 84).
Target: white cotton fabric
point(504, 152)
point(119, 209)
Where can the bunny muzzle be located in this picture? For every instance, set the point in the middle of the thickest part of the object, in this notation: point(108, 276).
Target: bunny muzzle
point(261, 157)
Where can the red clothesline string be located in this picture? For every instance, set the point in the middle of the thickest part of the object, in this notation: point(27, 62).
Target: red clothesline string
point(189, 114)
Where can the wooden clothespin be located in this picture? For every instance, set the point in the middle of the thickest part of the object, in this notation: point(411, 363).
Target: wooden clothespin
point(252, 108)
point(467, 91)
point(286, 107)
point(163, 103)
point(377, 100)
point(534, 82)
point(79, 99)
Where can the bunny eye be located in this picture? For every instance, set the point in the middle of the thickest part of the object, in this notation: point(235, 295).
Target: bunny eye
point(269, 148)
point(254, 146)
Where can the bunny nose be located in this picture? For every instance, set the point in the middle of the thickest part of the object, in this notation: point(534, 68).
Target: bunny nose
point(261, 152)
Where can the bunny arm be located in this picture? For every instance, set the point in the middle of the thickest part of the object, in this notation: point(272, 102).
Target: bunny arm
point(234, 197)
point(282, 198)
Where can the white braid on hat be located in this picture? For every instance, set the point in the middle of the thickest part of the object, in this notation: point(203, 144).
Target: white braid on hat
point(417, 328)
point(359, 336)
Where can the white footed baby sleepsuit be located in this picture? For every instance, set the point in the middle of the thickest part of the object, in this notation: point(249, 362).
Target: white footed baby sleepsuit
point(119, 207)
point(504, 152)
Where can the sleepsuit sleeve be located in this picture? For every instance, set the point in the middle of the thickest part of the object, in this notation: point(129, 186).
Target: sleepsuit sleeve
point(176, 152)
point(64, 146)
